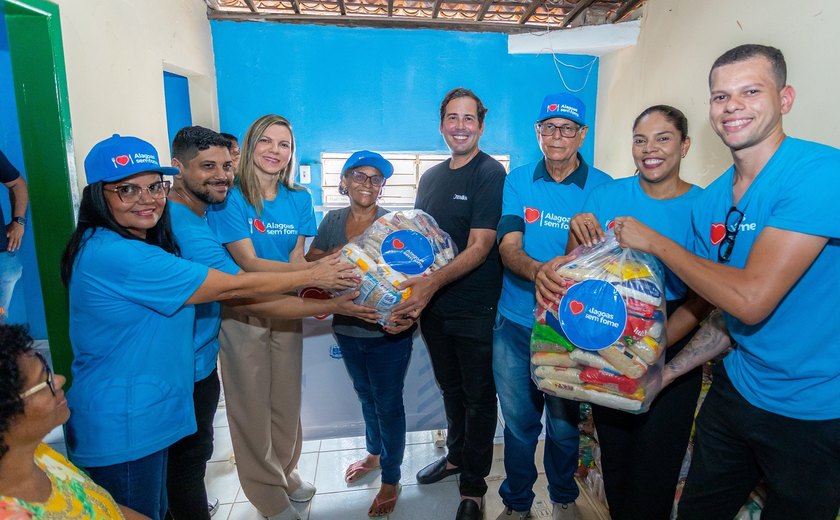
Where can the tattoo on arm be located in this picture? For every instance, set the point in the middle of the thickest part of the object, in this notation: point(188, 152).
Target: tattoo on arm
point(712, 339)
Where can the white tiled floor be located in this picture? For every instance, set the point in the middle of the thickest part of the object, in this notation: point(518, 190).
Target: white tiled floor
point(323, 463)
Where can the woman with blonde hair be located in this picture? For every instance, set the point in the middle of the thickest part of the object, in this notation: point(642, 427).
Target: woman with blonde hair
point(263, 224)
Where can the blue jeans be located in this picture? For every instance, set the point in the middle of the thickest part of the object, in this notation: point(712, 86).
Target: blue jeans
point(139, 484)
point(377, 367)
point(10, 272)
point(522, 408)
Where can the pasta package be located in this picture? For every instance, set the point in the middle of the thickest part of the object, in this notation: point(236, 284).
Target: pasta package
point(397, 246)
point(604, 343)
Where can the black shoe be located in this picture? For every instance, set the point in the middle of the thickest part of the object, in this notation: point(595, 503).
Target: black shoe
point(469, 510)
point(435, 472)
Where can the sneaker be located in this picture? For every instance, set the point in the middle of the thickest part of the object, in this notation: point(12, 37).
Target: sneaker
point(510, 514)
point(564, 511)
point(304, 493)
point(213, 505)
point(290, 513)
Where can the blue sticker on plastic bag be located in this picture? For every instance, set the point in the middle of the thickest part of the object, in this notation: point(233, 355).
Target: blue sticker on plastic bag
point(407, 251)
point(592, 314)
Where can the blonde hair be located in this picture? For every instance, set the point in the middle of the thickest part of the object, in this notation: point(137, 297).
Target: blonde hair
point(249, 184)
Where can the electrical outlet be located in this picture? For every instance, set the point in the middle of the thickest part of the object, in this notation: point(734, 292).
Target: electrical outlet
point(305, 174)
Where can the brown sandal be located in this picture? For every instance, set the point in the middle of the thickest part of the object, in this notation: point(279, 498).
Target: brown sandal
point(384, 506)
point(357, 470)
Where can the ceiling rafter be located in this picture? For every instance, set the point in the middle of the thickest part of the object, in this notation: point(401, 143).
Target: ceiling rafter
point(485, 6)
point(532, 8)
point(576, 11)
point(505, 16)
point(625, 9)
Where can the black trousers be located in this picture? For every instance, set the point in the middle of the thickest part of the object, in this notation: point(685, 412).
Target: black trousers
point(641, 455)
point(188, 457)
point(738, 444)
point(463, 367)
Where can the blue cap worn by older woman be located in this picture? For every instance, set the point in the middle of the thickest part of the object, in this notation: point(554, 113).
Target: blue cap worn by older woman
point(368, 158)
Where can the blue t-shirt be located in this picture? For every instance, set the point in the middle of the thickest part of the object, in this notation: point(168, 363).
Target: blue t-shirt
point(275, 232)
point(789, 363)
point(199, 244)
point(535, 202)
point(671, 217)
point(131, 333)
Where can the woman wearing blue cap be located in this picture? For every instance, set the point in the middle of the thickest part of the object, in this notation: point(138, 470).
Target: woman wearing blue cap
point(131, 323)
point(376, 361)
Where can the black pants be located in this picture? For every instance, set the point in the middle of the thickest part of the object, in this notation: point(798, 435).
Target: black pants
point(641, 455)
point(737, 444)
point(188, 457)
point(463, 366)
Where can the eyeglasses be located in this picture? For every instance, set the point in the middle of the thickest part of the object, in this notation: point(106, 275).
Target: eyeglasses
point(361, 177)
point(40, 386)
point(129, 193)
point(548, 129)
point(732, 224)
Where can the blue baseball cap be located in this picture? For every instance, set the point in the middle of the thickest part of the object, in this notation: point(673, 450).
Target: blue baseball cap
point(563, 105)
point(368, 158)
point(119, 157)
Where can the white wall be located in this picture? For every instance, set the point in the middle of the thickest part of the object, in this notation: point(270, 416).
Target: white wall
point(679, 41)
point(115, 54)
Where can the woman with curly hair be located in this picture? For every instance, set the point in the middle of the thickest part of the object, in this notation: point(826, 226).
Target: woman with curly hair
point(35, 480)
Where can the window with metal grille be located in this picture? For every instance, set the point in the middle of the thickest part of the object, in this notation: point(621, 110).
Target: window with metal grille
point(400, 190)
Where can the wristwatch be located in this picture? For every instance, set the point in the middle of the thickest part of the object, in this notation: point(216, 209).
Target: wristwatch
point(19, 220)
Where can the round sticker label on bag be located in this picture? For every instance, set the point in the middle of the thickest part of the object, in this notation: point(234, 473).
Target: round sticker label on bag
point(407, 251)
point(592, 314)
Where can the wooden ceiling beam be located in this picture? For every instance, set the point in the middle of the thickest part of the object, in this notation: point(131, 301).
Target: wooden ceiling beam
point(343, 8)
point(251, 6)
point(436, 8)
point(485, 6)
point(212, 4)
point(576, 11)
point(625, 9)
point(295, 6)
point(532, 8)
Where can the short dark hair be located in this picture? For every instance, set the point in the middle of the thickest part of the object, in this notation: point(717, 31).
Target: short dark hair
point(754, 50)
point(673, 115)
point(230, 137)
point(14, 342)
point(460, 92)
point(193, 139)
point(94, 214)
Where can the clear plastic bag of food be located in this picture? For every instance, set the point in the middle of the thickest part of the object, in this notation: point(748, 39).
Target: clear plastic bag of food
point(605, 342)
point(397, 246)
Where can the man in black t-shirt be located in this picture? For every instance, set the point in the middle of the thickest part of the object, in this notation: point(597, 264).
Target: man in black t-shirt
point(458, 302)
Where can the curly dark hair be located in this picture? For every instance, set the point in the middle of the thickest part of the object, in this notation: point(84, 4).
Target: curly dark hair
point(14, 342)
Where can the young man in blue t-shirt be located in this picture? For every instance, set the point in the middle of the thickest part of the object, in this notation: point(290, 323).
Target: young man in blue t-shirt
point(767, 247)
point(539, 200)
point(205, 175)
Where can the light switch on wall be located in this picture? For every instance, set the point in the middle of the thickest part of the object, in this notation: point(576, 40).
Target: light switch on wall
point(305, 174)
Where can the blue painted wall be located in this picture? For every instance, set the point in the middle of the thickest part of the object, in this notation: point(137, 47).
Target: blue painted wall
point(176, 92)
point(27, 305)
point(346, 89)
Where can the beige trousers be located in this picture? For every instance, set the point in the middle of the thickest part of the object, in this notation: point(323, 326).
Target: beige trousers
point(261, 364)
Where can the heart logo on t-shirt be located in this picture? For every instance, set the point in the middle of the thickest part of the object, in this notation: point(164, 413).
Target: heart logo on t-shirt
point(717, 234)
point(259, 225)
point(532, 215)
point(122, 160)
point(398, 244)
point(576, 307)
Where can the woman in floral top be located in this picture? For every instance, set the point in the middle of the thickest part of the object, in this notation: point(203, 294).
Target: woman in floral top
point(35, 480)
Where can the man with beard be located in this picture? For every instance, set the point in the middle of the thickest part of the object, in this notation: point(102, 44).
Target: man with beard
point(205, 175)
point(458, 302)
